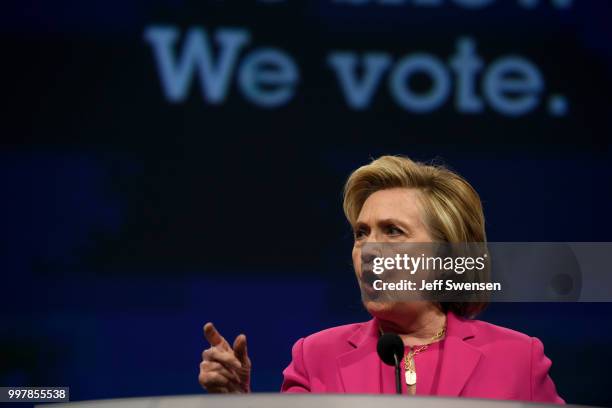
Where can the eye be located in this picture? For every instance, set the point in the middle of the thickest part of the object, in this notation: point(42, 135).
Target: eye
point(360, 233)
point(393, 230)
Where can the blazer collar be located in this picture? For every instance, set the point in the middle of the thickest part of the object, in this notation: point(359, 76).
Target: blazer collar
point(362, 372)
point(367, 332)
point(459, 357)
point(360, 368)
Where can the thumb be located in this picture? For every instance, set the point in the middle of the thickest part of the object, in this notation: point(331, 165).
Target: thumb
point(240, 349)
point(213, 336)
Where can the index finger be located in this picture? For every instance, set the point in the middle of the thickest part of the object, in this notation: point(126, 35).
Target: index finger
point(212, 335)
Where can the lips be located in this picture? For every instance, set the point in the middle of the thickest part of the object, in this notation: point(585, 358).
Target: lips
point(367, 279)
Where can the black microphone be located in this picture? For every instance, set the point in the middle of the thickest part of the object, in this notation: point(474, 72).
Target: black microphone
point(390, 349)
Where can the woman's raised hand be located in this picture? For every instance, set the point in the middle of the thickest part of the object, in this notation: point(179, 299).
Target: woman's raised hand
point(224, 368)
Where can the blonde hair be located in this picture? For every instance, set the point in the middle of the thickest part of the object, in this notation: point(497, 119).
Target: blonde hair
point(452, 211)
point(451, 207)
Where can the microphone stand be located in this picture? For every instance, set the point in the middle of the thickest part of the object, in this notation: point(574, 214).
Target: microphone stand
point(398, 377)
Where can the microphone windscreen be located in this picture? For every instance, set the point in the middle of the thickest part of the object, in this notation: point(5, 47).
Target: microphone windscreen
point(390, 345)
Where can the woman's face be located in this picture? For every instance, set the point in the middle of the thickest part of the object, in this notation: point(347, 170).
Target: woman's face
point(387, 216)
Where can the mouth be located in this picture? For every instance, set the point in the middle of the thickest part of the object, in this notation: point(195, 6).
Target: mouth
point(366, 281)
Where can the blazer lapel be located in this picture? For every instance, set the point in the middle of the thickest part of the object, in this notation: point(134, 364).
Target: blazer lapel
point(459, 359)
point(360, 370)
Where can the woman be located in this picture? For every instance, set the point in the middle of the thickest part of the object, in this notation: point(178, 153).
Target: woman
point(447, 353)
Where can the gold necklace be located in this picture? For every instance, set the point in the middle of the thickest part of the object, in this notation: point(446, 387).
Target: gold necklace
point(409, 365)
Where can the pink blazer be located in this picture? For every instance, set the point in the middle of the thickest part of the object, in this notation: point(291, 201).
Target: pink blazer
point(478, 360)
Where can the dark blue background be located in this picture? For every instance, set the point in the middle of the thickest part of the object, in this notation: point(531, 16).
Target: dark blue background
point(128, 222)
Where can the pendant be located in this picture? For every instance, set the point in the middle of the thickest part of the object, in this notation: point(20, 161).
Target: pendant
point(410, 377)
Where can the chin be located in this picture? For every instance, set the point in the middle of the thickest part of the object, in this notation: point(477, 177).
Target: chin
point(384, 310)
point(378, 309)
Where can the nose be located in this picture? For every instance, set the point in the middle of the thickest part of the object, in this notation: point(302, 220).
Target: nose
point(369, 251)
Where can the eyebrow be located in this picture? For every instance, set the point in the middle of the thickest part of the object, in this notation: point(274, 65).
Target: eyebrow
point(385, 221)
point(358, 225)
